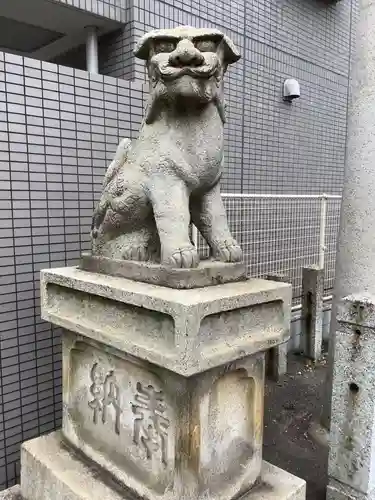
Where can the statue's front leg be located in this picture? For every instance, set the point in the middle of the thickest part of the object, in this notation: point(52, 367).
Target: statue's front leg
point(99, 216)
point(170, 201)
point(208, 214)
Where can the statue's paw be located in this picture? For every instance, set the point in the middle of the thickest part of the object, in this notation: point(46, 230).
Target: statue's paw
point(140, 253)
point(228, 251)
point(186, 257)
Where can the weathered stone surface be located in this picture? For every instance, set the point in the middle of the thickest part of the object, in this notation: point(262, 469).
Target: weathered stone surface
point(339, 491)
point(168, 177)
point(208, 272)
point(52, 472)
point(186, 331)
point(352, 437)
point(160, 433)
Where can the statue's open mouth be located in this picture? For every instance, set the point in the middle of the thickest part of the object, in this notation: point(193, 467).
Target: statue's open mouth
point(205, 71)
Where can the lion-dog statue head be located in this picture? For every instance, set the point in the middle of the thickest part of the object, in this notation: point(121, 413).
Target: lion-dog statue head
point(186, 62)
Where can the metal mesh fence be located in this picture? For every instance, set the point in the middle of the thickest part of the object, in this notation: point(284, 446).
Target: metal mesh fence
point(281, 234)
point(332, 230)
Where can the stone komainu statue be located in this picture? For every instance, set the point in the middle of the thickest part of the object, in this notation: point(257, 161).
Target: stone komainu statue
point(168, 177)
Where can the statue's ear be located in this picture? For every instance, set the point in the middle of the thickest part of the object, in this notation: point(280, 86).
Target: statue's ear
point(142, 49)
point(231, 53)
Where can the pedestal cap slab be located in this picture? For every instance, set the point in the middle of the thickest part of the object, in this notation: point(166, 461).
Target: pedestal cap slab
point(185, 331)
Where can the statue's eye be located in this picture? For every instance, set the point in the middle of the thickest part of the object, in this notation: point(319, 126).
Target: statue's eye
point(206, 45)
point(164, 46)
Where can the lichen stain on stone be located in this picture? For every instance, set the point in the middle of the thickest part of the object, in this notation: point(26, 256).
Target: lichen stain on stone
point(357, 313)
point(349, 443)
point(351, 459)
point(360, 310)
point(194, 443)
point(356, 343)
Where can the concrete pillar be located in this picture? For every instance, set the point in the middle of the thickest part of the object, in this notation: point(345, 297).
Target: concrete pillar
point(355, 268)
point(356, 246)
point(277, 357)
point(352, 436)
point(312, 311)
point(92, 54)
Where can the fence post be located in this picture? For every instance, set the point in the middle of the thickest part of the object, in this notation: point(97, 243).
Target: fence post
point(322, 232)
point(312, 311)
point(312, 295)
point(277, 357)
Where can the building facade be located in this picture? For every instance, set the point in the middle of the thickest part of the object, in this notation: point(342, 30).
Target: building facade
point(60, 125)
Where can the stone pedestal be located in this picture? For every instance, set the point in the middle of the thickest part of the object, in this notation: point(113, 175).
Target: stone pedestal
point(162, 391)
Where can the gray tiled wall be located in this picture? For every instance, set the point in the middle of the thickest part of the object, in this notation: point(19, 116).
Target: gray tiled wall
point(112, 9)
point(116, 53)
point(272, 146)
point(59, 129)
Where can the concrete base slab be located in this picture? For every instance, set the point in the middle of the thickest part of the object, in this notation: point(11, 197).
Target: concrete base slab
point(277, 484)
point(208, 273)
point(340, 491)
point(50, 471)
